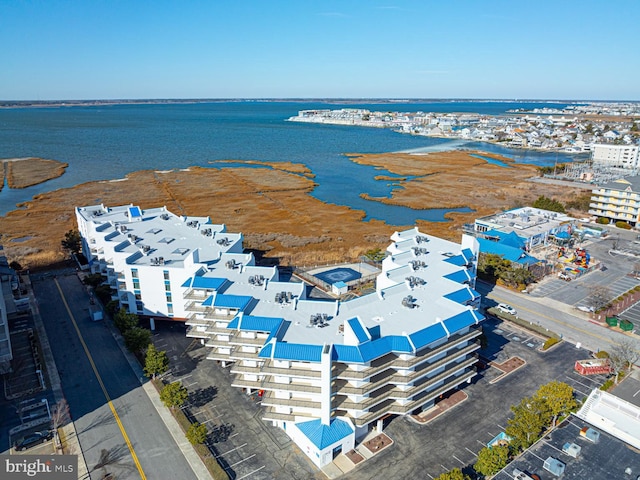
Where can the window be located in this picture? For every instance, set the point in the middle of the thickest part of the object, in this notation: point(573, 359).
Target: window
point(136, 284)
point(168, 298)
point(134, 273)
point(170, 309)
point(139, 306)
point(138, 296)
point(166, 275)
point(167, 287)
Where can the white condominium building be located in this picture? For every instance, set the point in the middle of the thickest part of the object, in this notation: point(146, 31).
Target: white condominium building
point(618, 156)
point(326, 370)
point(617, 201)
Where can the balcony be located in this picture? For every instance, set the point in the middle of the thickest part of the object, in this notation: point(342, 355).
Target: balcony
point(268, 400)
point(271, 414)
point(403, 379)
point(390, 391)
point(341, 370)
point(237, 340)
point(290, 387)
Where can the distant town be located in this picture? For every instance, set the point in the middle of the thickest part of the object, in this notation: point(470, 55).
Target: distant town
point(574, 129)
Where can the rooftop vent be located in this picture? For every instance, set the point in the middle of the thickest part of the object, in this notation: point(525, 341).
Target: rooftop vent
point(409, 302)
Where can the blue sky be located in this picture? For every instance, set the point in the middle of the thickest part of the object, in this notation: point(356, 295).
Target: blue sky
point(109, 49)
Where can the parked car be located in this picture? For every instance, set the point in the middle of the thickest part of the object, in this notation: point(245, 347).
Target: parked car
point(36, 438)
point(564, 276)
point(504, 308)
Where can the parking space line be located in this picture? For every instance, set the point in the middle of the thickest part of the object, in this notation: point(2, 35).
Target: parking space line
point(182, 378)
point(481, 443)
point(463, 463)
point(471, 452)
point(257, 470)
point(636, 393)
point(190, 384)
point(445, 468)
point(232, 450)
point(243, 460)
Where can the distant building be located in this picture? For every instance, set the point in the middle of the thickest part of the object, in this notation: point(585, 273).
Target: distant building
point(327, 372)
point(617, 201)
point(617, 156)
point(534, 227)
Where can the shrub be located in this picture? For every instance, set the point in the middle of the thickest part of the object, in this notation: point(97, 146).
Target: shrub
point(603, 221)
point(602, 354)
point(623, 225)
point(197, 433)
point(607, 385)
point(550, 342)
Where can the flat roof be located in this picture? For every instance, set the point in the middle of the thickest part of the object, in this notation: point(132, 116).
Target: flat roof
point(159, 237)
point(437, 301)
point(596, 461)
point(526, 221)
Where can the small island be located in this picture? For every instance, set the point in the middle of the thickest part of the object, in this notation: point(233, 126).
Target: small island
point(26, 172)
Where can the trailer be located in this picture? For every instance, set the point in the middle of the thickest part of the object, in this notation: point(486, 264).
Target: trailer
point(593, 366)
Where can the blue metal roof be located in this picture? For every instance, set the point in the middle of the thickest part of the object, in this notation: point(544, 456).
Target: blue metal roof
point(347, 354)
point(231, 301)
point(468, 254)
point(257, 324)
point(293, 351)
point(323, 436)
point(457, 260)
point(462, 296)
point(460, 321)
point(512, 254)
point(134, 212)
point(208, 283)
point(358, 330)
point(428, 335)
point(459, 276)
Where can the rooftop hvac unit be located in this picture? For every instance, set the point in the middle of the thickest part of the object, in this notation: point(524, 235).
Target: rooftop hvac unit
point(164, 216)
point(553, 466)
point(231, 264)
point(421, 239)
point(590, 434)
point(571, 449)
point(409, 302)
point(225, 242)
point(520, 475)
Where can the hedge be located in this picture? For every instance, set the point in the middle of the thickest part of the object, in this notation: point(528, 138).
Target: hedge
point(546, 333)
point(551, 341)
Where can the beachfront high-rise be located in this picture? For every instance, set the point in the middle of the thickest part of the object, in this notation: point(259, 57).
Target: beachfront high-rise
point(327, 370)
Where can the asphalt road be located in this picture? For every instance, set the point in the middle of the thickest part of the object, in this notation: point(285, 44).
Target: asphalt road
point(104, 427)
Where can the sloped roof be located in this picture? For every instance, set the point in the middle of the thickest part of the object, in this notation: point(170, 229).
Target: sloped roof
point(463, 295)
point(227, 301)
point(292, 351)
point(256, 324)
point(323, 436)
point(512, 254)
point(208, 283)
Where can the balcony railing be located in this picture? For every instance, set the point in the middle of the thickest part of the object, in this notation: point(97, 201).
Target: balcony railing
point(268, 400)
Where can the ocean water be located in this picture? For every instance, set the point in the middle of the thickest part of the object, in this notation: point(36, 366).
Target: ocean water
point(107, 142)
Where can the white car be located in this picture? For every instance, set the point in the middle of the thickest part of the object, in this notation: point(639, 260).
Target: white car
point(504, 308)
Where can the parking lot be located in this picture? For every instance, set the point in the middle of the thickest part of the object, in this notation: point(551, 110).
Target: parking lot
point(249, 448)
point(245, 445)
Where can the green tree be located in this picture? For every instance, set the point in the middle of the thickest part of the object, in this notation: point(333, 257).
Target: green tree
point(72, 241)
point(529, 418)
point(559, 398)
point(548, 204)
point(623, 356)
point(375, 255)
point(491, 265)
point(174, 395)
point(137, 339)
point(455, 474)
point(197, 433)
point(124, 320)
point(515, 275)
point(156, 362)
point(491, 460)
point(580, 202)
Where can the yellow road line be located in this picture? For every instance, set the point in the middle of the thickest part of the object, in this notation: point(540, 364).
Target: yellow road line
point(104, 390)
point(560, 322)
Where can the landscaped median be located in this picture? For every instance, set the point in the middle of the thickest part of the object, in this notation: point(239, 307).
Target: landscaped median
point(551, 338)
point(216, 471)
